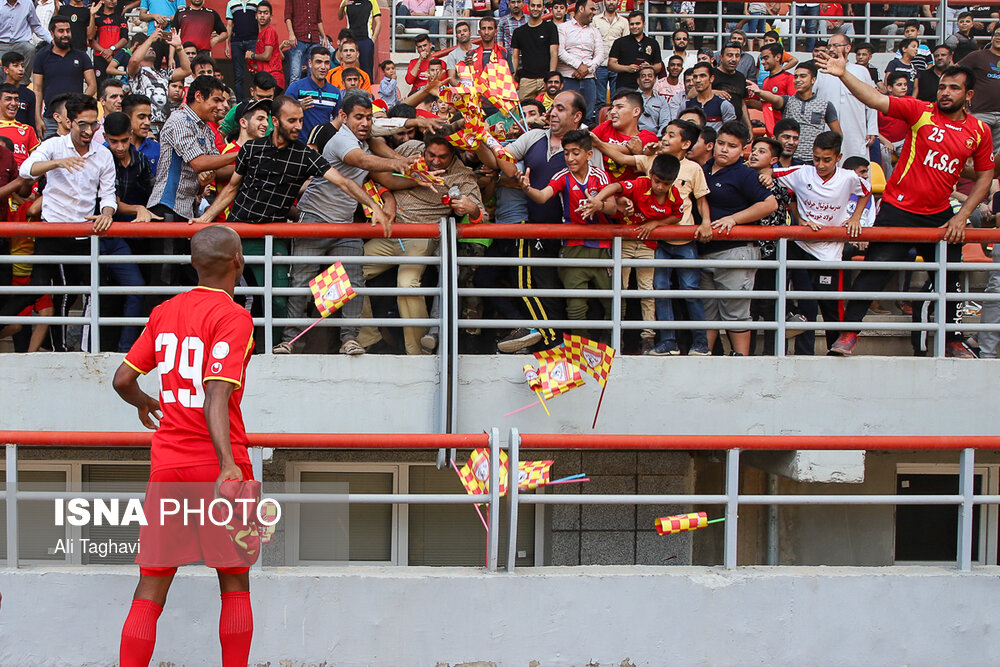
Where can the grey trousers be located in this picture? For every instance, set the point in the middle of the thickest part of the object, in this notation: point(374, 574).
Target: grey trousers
point(26, 49)
point(301, 274)
point(989, 341)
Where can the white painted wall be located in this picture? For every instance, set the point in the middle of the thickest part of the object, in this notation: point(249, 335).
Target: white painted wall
point(557, 616)
point(684, 395)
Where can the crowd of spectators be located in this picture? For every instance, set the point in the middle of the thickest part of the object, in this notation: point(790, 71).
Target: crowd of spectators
point(102, 123)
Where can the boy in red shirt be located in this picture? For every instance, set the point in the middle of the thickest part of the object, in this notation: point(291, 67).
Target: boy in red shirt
point(576, 184)
point(200, 342)
point(267, 57)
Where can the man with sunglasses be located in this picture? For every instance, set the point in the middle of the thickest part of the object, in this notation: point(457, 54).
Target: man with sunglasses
point(78, 173)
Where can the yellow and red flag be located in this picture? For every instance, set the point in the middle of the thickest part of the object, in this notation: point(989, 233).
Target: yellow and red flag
point(375, 191)
point(558, 377)
point(331, 289)
point(421, 173)
point(533, 474)
point(678, 523)
point(591, 357)
point(496, 84)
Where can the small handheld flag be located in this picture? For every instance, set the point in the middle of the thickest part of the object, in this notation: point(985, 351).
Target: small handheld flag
point(531, 375)
point(679, 523)
point(331, 290)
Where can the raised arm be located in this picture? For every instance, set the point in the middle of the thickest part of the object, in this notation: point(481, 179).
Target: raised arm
point(865, 93)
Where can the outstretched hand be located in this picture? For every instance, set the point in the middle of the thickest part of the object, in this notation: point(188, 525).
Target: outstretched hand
point(831, 63)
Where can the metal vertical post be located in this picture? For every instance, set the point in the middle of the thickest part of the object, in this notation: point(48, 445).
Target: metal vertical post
point(616, 287)
point(794, 28)
point(772, 521)
point(942, 26)
point(257, 465)
point(512, 488)
point(781, 304)
point(11, 497)
point(449, 290)
point(268, 293)
point(941, 285)
point(95, 302)
point(966, 480)
point(732, 507)
point(868, 22)
point(720, 34)
point(493, 535)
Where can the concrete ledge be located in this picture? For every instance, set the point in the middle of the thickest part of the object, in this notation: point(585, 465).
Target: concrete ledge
point(557, 616)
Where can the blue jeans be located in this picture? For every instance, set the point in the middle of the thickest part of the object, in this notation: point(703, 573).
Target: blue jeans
point(126, 275)
point(240, 72)
point(812, 25)
point(605, 84)
point(587, 88)
point(427, 24)
point(297, 56)
point(689, 279)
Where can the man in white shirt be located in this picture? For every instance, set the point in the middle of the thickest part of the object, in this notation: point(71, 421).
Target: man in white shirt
point(79, 176)
point(581, 52)
point(858, 122)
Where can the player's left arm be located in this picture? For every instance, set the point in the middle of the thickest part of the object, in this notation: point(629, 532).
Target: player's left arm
point(956, 225)
point(126, 384)
point(216, 409)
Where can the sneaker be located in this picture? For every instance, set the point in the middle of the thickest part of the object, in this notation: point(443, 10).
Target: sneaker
point(518, 339)
point(646, 345)
point(956, 349)
point(667, 348)
point(844, 346)
point(792, 320)
point(282, 348)
point(428, 343)
point(735, 354)
point(351, 347)
point(699, 350)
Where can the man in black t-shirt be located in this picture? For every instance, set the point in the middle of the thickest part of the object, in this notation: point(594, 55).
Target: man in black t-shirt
point(59, 69)
point(927, 81)
point(729, 81)
point(80, 18)
point(629, 52)
point(534, 51)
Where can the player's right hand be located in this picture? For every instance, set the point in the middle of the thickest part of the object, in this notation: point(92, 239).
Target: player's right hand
point(230, 471)
point(149, 413)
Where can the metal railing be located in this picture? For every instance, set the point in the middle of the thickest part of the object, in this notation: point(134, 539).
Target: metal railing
point(449, 293)
point(731, 499)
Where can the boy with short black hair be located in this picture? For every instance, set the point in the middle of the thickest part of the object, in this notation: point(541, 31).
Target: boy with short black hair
point(822, 192)
point(704, 148)
point(736, 198)
point(388, 90)
point(575, 184)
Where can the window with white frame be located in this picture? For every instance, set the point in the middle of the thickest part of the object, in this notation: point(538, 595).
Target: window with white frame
point(433, 535)
point(929, 533)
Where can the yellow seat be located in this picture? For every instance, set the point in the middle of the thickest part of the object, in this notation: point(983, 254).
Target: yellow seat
point(877, 177)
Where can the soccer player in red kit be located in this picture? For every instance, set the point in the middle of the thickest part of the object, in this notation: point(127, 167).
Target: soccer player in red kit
point(200, 342)
point(942, 138)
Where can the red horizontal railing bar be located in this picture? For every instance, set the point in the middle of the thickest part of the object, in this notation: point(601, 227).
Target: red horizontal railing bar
point(528, 441)
point(493, 230)
point(184, 230)
point(291, 440)
point(757, 442)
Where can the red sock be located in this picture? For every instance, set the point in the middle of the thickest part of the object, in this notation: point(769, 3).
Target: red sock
point(139, 633)
point(235, 628)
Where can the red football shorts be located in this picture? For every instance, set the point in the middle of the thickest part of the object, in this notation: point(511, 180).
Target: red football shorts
point(166, 542)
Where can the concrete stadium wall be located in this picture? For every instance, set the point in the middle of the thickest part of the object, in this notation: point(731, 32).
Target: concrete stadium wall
point(556, 616)
point(683, 395)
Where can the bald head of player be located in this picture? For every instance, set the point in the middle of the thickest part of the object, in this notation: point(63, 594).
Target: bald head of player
point(217, 256)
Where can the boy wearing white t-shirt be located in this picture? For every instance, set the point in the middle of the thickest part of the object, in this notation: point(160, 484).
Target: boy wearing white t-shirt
point(822, 197)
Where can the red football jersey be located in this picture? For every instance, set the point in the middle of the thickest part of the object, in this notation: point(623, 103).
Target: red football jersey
point(572, 193)
point(646, 207)
point(934, 153)
point(607, 132)
point(782, 83)
point(22, 136)
point(194, 337)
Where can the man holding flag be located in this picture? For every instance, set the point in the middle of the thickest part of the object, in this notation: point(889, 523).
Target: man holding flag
point(323, 201)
